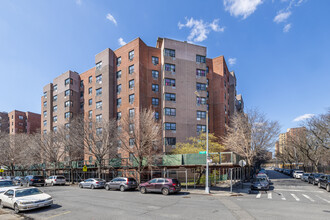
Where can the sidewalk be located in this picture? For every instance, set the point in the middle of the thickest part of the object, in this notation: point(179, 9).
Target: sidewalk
point(7, 214)
point(223, 190)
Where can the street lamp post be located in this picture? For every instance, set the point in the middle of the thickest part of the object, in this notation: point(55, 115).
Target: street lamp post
point(207, 189)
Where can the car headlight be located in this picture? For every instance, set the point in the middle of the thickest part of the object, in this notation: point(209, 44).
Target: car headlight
point(24, 202)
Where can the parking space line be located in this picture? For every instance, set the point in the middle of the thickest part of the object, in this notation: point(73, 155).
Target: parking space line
point(323, 199)
point(259, 195)
point(269, 195)
point(53, 216)
point(309, 198)
point(295, 197)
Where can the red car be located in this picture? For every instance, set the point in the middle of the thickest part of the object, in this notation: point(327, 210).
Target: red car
point(163, 185)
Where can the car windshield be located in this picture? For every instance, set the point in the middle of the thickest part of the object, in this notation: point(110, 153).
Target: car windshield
point(37, 177)
point(98, 179)
point(6, 183)
point(27, 192)
point(299, 172)
point(260, 179)
point(131, 179)
point(317, 175)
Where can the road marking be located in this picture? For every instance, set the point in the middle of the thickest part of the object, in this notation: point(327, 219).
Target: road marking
point(312, 200)
point(269, 195)
point(259, 195)
point(298, 190)
point(53, 216)
point(323, 199)
point(294, 196)
point(282, 197)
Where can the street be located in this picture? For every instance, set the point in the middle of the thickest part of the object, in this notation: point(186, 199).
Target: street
point(288, 199)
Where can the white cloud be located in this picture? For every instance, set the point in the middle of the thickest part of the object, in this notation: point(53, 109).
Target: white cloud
point(282, 16)
point(121, 41)
point(111, 18)
point(242, 8)
point(303, 117)
point(232, 61)
point(200, 29)
point(78, 2)
point(287, 28)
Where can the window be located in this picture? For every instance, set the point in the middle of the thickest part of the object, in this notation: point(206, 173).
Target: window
point(45, 122)
point(68, 81)
point(200, 72)
point(225, 96)
point(131, 55)
point(55, 119)
point(67, 125)
point(68, 104)
point(55, 129)
point(45, 131)
point(99, 79)
point(68, 115)
point(207, 94)
point(169, 52)
point(98, 131)
point(170, 97)
point(68, 92)
point(131, 98)
point(118, 115)
point(55, 98)
point(207, 82)
point(131, 69)
point(207, 69)
point(155, 74)
point(90, 159)
point(55, 108)
point(90, 79)
point(201, 101)
point(131, 142)
point(99, 105)
point(131, 127)
point(81, 105)
point(155, 101)
point(170, 141)
point(131, 113)
point(45, 113)
point(45, 94)
point(155, 60)
point(201, 114)
point(45, 104)
point(118, 61)
point(82, 84)
point(55, 88)
point(81, 94)
point(99, 91)
point(118, 102)
point(131, 84)
point(90, 102)
point(118, 74)
point(170, 126)
point(156, 114)
point(169, 82)
point(99, 118)
point(201, 87)
point(155, 88)
point(90, 114)
point(200, 59)
point(99, 65)
point(90, 90)
point(170, 111)
point(169, 67)
point(118, 89)
point(201, 128)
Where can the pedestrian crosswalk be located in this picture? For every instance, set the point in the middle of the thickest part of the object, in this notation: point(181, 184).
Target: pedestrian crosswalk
point(295, 195)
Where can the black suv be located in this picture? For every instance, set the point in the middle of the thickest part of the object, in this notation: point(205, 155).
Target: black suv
point(324, 182)
point(314, 178)
point(33, 181)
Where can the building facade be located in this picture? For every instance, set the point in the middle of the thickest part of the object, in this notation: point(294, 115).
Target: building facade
point(23, 122)
point(138, 76)
point(4, 122)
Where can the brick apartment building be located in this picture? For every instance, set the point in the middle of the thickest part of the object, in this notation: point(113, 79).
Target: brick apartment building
point(4, 122)
point(285, 138)
point(137, 76)
point(16, 122)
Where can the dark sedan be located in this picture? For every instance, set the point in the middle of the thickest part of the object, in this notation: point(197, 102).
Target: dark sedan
point(324, 182)
point(260, 183)
point(314, 178)
point(33, 181)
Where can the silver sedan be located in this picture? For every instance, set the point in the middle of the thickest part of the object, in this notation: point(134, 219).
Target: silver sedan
point(92, 183)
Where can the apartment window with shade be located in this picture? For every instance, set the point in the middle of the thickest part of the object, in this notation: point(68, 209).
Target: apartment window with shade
point(45, 104)
point(200, 72)
point(131, 69)
point(45, 123)
point(156, 114)
point(68, 92)
point(131, 113)
point(45, 113)
point(169, 82)
point(45, 95)
point(169, 52)
point(81, 94)
point(131, 84)
point(169, 67)
point(207, 69)
point(67, 125)
point(99, 91)
point(99, 65)
point(118, 89)
point(90, 102)
point(82, 84)
point(118, 115)
point(55, 98)
point(118, 61)
point(170, 111)
point(201, 101)
point(170, 141)
point(90, 114)
point(68, 81)
point(155, 74)
point(201, 115)
point(55, 88)
point(55, 119)
point(201, 128)
point(155, 60)
point(99, 79)
point(55, 129)
point(155, 87)
point(170, 126)
point(131, 98)
point(131, 143)
point(68, 115)
point(118, 74)
point(119, 102)
point(170, 97)
point(200, 59)
point(131, 127)
point(131, 55)
point(81, 105)
point(68, 104)
point(99, 105)
point(55, 108)
point(98, 131)
point(99, 118)
point(155, 101)
point(90, 90)
point(200, 87)
point(90, 79)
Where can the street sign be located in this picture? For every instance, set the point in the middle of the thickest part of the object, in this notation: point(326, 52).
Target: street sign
point(202, 152)
point(2, 170)
point(242, 163)
point(85, 168)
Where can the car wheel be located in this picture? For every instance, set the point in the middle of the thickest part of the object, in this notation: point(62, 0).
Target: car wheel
point(143, 190)
point(319, 185)
point(1, 205)
point(313, 182)
point(16, 209)
point(107, 187)
point(165, 191)
point(122, 188)
point(92, 187)
point(328, 188)
point(80, 186)
point(52, 184)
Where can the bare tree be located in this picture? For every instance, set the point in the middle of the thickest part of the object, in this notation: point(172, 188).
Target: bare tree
point(251, 135)
point(141, 138)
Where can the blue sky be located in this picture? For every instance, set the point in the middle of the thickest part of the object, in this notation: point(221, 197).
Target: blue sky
point(279, 49)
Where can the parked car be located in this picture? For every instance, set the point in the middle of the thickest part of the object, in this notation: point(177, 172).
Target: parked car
point(33, 181)
point(92, 183)
point(17, 180)
point(297, 174)
point(324, 182)
point(6, 184)
point(260, 183)
point(305, 176)
point(55, 180)
point(162, 185)
point(121, 183)
point(22, 199)
point(262, 175)
point(314, 178)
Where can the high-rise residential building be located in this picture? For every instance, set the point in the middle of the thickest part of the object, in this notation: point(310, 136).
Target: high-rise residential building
point(23, 122)
point(277, 148)
point(138, 76)
point(287, 137)
point(4, 122)
point(282, 142)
